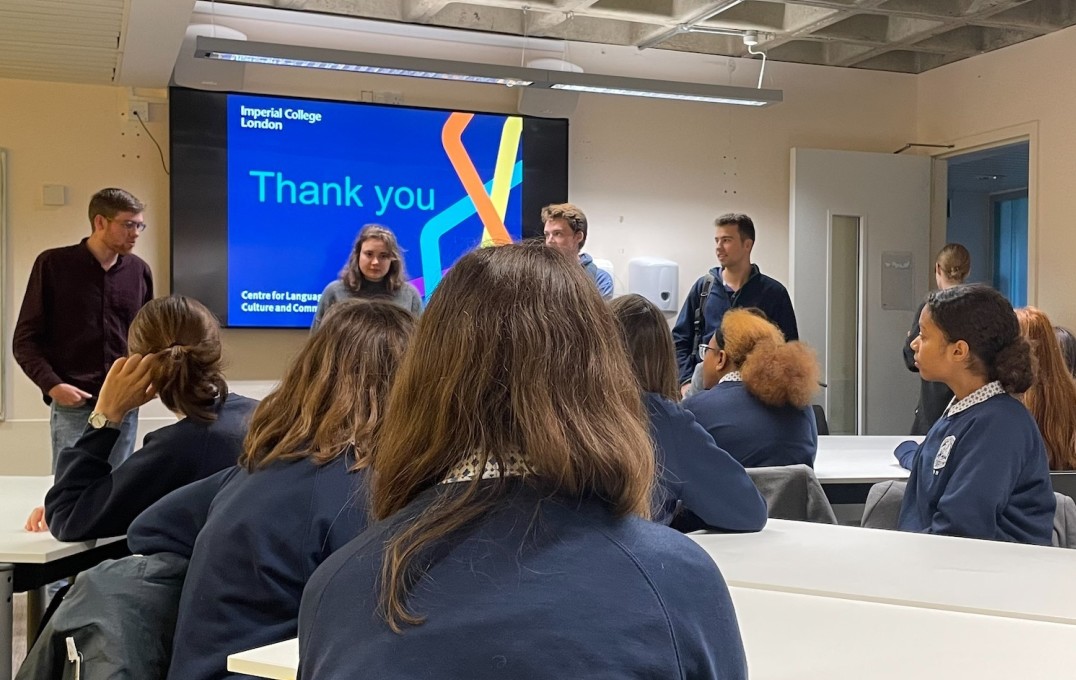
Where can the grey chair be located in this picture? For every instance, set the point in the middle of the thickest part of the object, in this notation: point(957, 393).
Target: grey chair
point(793, 492)
point(1064, 521)
point(882, 508)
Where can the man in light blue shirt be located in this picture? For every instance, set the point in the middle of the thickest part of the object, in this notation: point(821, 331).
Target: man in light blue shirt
point(566, 230)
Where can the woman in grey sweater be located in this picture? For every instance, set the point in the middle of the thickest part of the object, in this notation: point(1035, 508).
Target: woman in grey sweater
point(375, 270)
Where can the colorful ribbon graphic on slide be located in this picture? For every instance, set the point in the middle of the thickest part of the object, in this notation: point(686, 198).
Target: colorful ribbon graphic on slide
point(489, 200)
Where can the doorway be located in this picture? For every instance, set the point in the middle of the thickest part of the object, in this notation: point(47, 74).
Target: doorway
point(987, 212)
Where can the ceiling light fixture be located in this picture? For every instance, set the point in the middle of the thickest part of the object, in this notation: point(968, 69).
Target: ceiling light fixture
point(248, 52)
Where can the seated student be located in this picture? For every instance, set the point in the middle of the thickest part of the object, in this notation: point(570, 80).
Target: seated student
point(512, 491)
point(175, 354)
point(255, 533)
point(713, 490)
point(375, 271)
point(981, 472)
point(1052, 398)
point(1068, 347)
point(757, 403)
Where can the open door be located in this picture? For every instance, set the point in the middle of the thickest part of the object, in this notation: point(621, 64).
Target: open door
point(860, 264)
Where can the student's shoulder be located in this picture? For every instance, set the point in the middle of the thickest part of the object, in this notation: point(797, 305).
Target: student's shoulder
point(664, 556)
point(660, 406)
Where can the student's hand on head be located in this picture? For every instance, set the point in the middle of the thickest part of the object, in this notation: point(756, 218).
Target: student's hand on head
point(69, 395)
point(128, 385)
point(36, 523)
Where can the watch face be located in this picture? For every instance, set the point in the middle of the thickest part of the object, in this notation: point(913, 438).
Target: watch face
point(98, 420)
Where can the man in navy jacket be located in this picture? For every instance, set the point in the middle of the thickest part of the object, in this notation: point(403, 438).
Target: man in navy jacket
point(736, 283)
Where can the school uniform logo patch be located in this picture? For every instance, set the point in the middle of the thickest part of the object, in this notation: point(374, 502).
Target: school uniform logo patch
point(943, 453)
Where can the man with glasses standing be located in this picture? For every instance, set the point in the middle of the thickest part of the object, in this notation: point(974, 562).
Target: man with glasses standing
point(80, 301)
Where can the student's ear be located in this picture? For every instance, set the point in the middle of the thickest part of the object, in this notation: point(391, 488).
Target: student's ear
point(99, 222)
point(748, 244)
point(960, 352)
point(721, 360)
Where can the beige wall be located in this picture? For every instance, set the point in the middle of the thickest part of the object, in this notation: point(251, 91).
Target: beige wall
point(1020, 90)
point(650, 175)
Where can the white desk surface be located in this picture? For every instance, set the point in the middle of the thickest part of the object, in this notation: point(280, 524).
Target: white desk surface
point(935, 572)
point(279, 661)
point(18, 496)
point(802, 637)
point(858, 460)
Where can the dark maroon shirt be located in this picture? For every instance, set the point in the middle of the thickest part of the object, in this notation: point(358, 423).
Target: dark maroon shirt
point(75, 315)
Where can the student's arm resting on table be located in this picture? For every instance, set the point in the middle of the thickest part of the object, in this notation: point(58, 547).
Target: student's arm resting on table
point(905, 453)
point(712, 484)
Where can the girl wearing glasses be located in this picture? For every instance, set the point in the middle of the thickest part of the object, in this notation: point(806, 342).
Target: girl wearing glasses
point(700, 485)
point(757, 403)
point(511, 495)
point(375, 270)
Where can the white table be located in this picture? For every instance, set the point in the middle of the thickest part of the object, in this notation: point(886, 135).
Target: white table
point(33, 558)
point(279, 661)
point(892, 567)
point(788, 636)
point(858, 460)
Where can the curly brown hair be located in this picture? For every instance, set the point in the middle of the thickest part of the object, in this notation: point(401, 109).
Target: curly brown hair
point(776, 372)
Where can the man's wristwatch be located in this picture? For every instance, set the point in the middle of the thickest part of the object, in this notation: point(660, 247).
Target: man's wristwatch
point(98, 421)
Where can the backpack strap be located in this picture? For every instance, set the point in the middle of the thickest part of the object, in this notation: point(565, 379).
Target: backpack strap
point(700, 319)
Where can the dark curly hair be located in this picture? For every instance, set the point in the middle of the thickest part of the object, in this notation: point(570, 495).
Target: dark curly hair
point(983, 318)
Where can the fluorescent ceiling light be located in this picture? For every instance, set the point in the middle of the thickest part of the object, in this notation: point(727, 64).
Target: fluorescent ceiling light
point(359, 68)
point(658, 95)
point(246, 52)
point(663, 89)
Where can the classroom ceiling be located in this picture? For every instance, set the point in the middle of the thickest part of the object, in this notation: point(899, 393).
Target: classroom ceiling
point(135, 42)
point(907, 36)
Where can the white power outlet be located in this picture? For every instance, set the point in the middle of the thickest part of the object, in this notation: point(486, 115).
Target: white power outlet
point(136, 111)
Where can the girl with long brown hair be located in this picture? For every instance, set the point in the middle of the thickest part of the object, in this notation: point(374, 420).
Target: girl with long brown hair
point(374, 271)
point(700, 485)
point(757, 403)
point(512, 488)
point(255, 533)
point(1052, 398)
point(176, 356)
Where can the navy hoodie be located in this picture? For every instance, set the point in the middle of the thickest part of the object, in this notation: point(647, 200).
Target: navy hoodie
point(753, 433)
point(253, 540)
point(540, 587)
point(711, 488)
point(980, 473)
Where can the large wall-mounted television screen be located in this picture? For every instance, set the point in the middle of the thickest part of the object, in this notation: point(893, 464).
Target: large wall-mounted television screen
point(268, 193)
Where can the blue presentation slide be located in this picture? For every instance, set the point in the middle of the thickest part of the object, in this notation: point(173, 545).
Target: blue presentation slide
point(305, 176)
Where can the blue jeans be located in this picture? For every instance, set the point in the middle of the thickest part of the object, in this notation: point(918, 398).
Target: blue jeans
point(68, 423)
